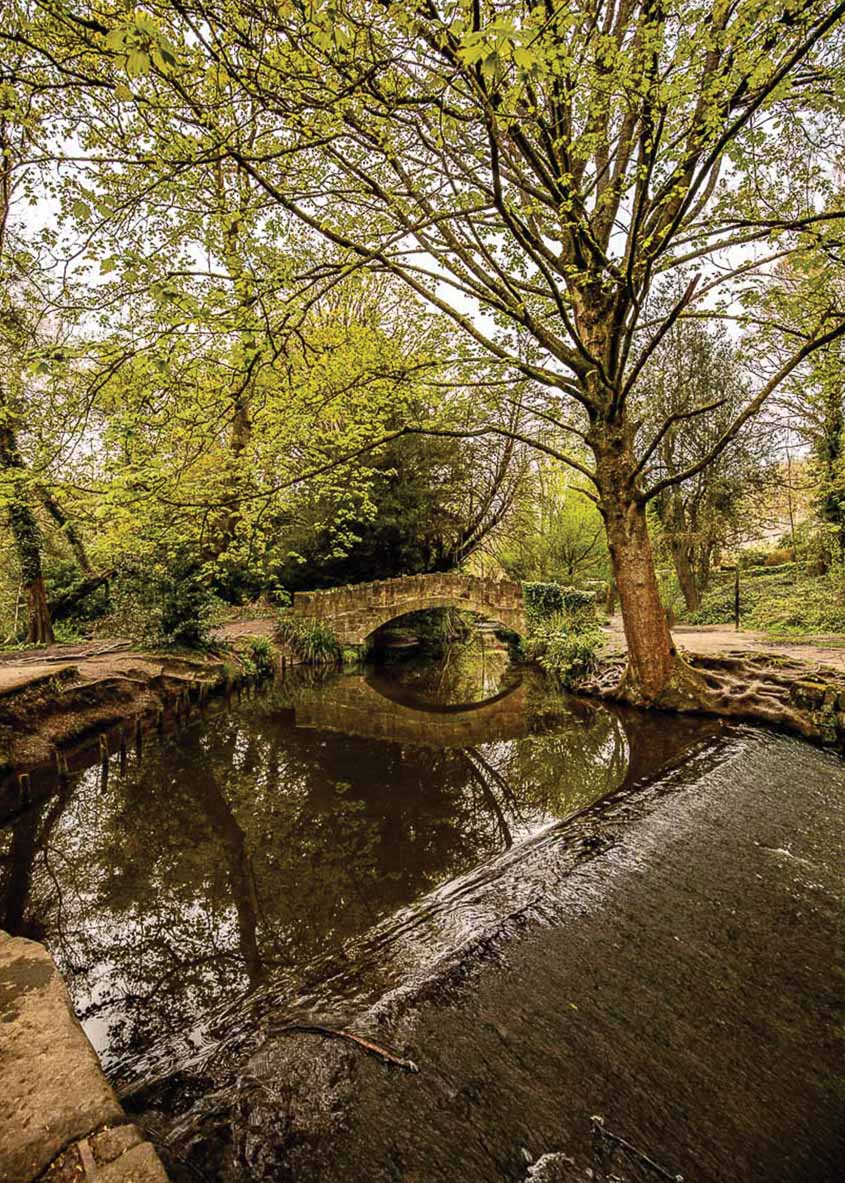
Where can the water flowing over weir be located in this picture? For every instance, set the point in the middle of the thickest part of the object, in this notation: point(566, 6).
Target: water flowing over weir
point(579, 913)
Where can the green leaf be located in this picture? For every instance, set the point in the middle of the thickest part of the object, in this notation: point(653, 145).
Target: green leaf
point(137, 63)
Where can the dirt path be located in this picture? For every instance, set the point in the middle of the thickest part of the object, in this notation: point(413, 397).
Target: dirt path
point(112, 658)
point(708, 639)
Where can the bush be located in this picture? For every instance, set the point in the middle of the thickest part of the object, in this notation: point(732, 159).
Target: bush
point(546, 600)
point(167, 602)
point(566, 647)
point(311, 640)
point(261, 655)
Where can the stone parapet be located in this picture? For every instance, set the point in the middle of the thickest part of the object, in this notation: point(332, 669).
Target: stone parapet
point(355, 611)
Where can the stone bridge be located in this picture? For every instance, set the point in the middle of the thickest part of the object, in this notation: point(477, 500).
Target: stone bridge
point(355, 611)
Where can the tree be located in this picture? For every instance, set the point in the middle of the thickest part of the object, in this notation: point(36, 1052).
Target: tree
point(693, 367)
point(557, 534)
point(546, 164)
point(541, 165)
point(814, 399)
point(16, 332)
point(431, 504)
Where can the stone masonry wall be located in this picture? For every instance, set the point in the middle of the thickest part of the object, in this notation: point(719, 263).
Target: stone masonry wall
point(355, 611)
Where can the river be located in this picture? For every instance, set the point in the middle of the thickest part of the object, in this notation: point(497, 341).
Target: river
point(555, 909)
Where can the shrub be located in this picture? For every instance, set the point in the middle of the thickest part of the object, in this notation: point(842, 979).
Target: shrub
point(566, 647)
point(167, 602)
point(569, 656)
point(311, 640)
point(261, 655)
point(546, 600)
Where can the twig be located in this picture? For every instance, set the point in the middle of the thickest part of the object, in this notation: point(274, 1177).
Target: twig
point(600, 1133)
point(332, 1033)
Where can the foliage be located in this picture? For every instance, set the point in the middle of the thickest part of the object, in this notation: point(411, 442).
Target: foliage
point(694, 367)
point(167, 602)
point(813, 400)
point(311, 640)
point(231, 278)
point(555, 532)
point(785, 601)
point(431, 502)
point(260, 653)
point(566, 647)
point(546, 600)
point(563, 634)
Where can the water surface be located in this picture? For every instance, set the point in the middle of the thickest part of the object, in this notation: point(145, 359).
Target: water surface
point(311, 843)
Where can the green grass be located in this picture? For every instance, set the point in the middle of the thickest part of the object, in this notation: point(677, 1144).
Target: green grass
point(783, 601)
point(311, 641)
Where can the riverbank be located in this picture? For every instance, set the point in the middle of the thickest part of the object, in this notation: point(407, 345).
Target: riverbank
point(797, 687)
point(57, 698)
point(60, 1120)
point(54, 699)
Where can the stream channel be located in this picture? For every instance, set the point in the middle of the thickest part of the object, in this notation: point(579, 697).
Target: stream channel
point(606, 941)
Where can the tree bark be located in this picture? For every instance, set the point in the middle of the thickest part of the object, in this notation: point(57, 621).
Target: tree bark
point(61, 606)
point(655, 674)
point(40, 630)
point(57, 513)
point(27, 538)
point(651, 651)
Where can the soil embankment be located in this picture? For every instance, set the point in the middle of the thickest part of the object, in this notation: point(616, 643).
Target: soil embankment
point(53, 700)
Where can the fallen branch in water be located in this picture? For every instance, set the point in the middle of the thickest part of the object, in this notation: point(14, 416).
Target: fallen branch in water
point(601, 1134)
point(332, 1033)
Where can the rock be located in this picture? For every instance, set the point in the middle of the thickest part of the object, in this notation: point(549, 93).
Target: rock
point(113, 1156)
point(54, 1098)
point(556, 1168)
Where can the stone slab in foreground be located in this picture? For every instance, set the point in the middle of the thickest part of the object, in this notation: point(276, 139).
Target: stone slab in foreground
point(57, 1110)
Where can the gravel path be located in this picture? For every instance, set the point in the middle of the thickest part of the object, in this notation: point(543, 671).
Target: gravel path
point(720, 638)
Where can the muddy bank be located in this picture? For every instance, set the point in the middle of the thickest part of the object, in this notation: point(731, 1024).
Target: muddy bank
point(54, 704)
point(664, 964)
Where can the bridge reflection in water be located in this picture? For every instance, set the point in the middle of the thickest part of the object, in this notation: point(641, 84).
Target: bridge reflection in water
point(607, 747)
point(362, 705)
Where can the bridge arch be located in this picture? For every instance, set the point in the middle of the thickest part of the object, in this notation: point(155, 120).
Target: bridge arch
point(357, 610)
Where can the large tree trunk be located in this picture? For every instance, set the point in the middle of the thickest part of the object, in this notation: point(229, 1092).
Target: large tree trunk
point(651, 651)
point(40, 631)
point(655, 674)
point(27, 538)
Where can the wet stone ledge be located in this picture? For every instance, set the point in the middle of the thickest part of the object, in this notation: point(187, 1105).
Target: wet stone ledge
point(59, 1117)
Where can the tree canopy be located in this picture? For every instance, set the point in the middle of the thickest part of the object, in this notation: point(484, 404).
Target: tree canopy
point(537, 176)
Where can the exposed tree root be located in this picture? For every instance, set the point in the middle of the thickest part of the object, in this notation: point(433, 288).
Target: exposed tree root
point(758, 687)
